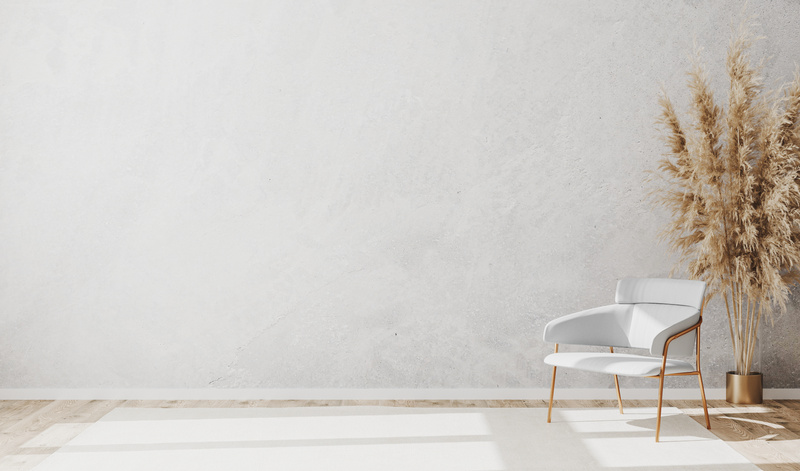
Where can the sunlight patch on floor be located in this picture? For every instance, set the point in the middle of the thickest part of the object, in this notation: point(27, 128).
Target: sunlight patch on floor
point(388, 439)
point(248, 429)
point(386, 457)
point(212, 439)
point(753, 421)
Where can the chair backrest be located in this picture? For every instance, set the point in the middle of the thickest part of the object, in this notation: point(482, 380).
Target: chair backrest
point(661, 291)
point(662, 308)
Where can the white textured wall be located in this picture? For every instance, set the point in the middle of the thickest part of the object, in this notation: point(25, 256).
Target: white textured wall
point(336, 194)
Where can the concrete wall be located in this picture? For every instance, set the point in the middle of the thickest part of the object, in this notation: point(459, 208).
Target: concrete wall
point(338, 194)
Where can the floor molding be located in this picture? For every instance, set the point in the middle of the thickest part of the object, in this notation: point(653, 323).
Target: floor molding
point(368, 394)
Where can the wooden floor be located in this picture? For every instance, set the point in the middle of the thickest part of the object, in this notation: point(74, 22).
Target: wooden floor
point(768, 434)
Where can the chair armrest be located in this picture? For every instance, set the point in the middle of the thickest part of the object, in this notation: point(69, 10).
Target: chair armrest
point(695, 328)
point(605, 326)
point(675, 331)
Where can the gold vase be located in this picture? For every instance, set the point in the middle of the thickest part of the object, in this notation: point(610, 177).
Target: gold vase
point(743, 389)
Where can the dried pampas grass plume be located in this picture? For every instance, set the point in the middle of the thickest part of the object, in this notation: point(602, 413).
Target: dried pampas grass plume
point(733, 191)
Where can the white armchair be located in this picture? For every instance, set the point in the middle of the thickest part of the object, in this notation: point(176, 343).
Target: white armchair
point(660, 315)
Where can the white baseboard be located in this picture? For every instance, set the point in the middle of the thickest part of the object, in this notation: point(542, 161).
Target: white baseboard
point(369, 394)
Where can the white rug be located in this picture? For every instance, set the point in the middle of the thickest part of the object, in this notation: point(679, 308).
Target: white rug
point(392, 438)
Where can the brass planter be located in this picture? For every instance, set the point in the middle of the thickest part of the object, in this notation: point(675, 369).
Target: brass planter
point(743, 389)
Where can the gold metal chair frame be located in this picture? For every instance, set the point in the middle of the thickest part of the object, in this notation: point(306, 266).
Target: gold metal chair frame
point(660, 377)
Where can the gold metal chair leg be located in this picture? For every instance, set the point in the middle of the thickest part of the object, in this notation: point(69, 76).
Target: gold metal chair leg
point(703, 394)
point(619, 396)
point(552, 390)
point(616, 383)
point(660, 396)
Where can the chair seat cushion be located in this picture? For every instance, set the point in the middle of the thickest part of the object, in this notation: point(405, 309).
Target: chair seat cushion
point(622, 364)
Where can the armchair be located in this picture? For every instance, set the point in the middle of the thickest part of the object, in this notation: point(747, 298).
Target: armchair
point(662, 316)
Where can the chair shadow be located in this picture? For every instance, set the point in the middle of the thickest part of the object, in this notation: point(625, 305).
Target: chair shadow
point(665, 435)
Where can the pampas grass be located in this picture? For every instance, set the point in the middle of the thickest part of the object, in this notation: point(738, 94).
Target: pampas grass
point(733, 192)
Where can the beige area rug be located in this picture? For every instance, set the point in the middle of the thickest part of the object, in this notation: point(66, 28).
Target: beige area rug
point(392, 438)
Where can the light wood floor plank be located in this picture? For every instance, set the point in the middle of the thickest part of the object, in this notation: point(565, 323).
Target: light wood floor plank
point(13, 411)
point(31, 425)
